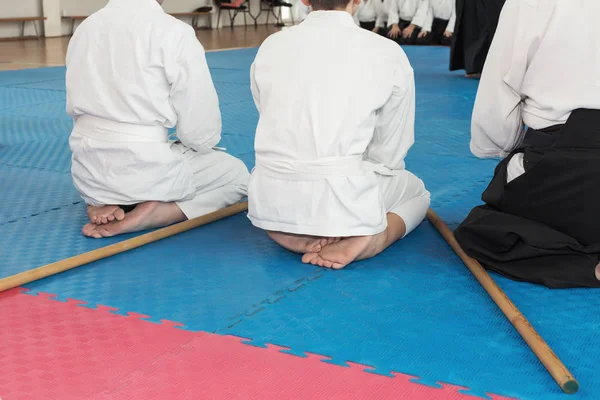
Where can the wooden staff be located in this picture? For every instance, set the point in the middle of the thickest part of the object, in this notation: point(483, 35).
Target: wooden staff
point(103, 252)
point(540, 348)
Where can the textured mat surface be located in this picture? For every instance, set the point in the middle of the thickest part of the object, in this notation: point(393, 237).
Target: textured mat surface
point(413, 310)
point(51, 350)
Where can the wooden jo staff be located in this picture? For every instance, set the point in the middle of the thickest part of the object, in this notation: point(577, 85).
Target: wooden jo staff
point(103, 252)
point(540, 348)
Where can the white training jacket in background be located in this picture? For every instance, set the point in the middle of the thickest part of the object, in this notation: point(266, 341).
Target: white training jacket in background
point(133, 71)
point(371, 11)
point(544, 62)
point(329, 117)
point(414, 11)
point(442, 9)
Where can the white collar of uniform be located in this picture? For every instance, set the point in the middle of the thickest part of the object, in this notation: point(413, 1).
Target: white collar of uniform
point(152, 4)
point(329, 18)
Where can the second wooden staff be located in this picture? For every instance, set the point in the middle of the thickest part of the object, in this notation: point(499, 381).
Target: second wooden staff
point(540, 348)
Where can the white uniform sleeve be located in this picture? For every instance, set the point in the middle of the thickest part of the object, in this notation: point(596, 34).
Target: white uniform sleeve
point(395, 129)
point(420, 16)
point(254, 87)
point(452, 20)
point(382, 13)
point(193, 94)
point(355, 16)
point(496, 124)
point(428, 22)
point(394, 10)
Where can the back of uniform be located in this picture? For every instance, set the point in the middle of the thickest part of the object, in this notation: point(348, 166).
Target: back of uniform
point(333, 132)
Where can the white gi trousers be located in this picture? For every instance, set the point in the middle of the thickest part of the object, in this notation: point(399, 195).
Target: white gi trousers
point(400, 192)
point(123, 164)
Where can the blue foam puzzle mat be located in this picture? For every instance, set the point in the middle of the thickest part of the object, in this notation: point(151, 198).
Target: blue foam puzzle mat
point(14, 97)
point(55, 109)
point(231, 92)
point(414, 309)
point(56, 84)
point(16, 129)
point(26, 76)
point(49, 155)
point(231, 59)
point(240, 118)
point(50, 236)
point(190, 287)
point(236, 144)
point(230, 75)
point(417, 310)
point(27, 193)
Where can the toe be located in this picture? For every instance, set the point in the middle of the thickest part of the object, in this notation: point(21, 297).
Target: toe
point(119, 214)
point(105, 232)
point(110, 217)
point(309, 257)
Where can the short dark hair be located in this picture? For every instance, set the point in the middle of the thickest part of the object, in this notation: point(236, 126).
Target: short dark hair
point(329, 5)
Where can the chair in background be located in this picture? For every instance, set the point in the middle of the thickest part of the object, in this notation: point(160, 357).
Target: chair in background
point(233, 8)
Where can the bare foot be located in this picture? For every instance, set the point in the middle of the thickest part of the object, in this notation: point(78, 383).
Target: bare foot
point(105, 214)
point(343, 252)
point(597, 271)
point(301, 243)
point(148, 215)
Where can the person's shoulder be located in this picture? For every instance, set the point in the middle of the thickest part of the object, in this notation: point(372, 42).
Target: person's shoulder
point(278, 39)
point(175, 25)
point(386, 50)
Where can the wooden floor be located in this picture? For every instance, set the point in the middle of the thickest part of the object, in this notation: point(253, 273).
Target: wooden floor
point(22, 54)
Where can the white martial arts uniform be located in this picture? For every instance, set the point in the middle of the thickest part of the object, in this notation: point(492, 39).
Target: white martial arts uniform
point(372, 11)
point(303, 11)
point(368, 11)
point(133, 72)
point(527, 82)
point(441, 9)
point(333, 132)
point(414, 11)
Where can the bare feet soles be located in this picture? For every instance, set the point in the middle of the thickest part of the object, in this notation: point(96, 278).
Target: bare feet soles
point(300, 243)
point(148, 215)
point(105, 214)
point(342, 253)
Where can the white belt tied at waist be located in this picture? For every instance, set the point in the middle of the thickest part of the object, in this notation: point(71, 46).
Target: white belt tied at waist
point(113, 131)
point(320, 169)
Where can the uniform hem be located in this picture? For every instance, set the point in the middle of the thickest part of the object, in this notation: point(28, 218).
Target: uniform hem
point(316, 230)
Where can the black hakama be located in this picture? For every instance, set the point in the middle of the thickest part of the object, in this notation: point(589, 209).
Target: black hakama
point(544, 226)
point(476, 22)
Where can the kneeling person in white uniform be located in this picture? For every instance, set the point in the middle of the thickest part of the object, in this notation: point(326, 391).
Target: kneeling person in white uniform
point(334, 129)
point(133, 72)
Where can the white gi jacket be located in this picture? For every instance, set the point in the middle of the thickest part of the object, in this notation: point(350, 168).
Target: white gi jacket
point(442, 9)
point(372, 11)
point(145, 72)
point(329, 117)
point(544, 62)
point(414, 11)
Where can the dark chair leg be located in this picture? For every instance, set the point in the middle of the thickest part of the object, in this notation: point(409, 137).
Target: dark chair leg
point(269, 14)
point(23, 29)
point(37, 35)
point(245, 24)
point(219, 17)
point(232, 18)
